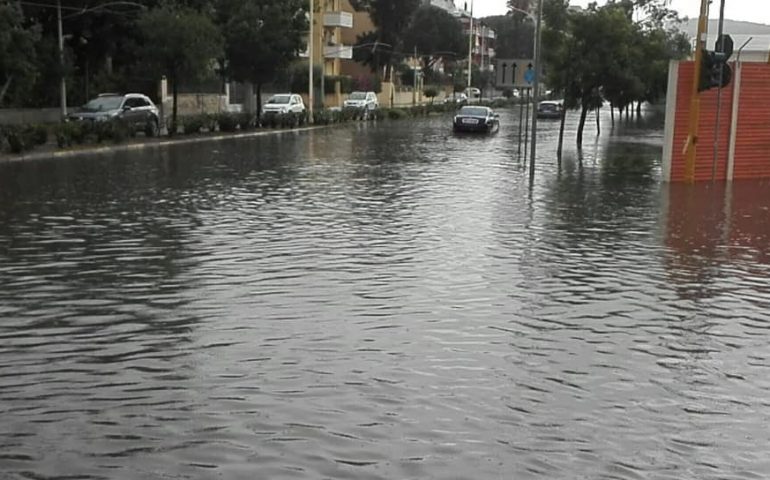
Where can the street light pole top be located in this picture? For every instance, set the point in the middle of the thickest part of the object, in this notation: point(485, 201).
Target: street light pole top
point(107, 7)
point(526, 13)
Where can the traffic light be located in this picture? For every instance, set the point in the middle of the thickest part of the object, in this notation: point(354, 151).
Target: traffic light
point(715, 71)
point(710, 76)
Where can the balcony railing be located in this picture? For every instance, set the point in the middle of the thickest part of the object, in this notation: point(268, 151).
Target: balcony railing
point(344, 52)
point(338, 19)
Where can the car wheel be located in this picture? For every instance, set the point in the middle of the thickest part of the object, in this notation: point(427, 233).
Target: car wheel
point(152, 129)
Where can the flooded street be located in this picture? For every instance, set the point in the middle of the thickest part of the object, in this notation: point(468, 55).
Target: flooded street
point(383, 302)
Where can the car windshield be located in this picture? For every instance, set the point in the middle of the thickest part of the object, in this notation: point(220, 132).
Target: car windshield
point(358, 96)
point(474, 111)
point(278, 99)
point(103, 104)
point(549, 106)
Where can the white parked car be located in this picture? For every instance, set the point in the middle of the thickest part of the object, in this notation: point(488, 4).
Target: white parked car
point(367, 100)
point(284, 103)
point(472, 92)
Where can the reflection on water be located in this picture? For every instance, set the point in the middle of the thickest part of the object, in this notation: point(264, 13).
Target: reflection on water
point(382, 302)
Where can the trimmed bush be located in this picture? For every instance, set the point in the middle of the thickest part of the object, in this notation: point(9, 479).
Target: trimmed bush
point(227, 122)
point(396, 114)
point(245, 120)
point(195, 123)
point(70, 133)
point(20, 138)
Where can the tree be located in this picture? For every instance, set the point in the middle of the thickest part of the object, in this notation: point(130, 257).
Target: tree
point(435, 34)
point(17, 47)
point(515, 35)
point(261, 38)
point(180, 43)
point(391, 18)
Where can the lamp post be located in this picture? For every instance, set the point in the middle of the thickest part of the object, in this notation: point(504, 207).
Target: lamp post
point(470, 46)
point(310, 95)
point(60, 31)
point(63, 81)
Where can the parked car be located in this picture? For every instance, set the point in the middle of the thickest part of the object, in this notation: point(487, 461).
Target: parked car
point(549, 110)
point(459, 98)
point(472, 92)
point(134, 108)
point(362, 100)
point(284, 103)
point(476, 119)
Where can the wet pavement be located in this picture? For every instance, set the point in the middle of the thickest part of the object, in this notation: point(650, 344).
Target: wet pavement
point(383, 302)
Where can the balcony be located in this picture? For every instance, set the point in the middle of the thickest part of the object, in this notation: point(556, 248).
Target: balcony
point(343, 52)
point(338, 19)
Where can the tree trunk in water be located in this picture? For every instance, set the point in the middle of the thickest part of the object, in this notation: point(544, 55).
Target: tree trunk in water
point(598, 122)
point(5, 88)
point(561, 134)
point(175, 93)
point(259, 101)
point(639, 108)
point(612, 113)
point(581, 126)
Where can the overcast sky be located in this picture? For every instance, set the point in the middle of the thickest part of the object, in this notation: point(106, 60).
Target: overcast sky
point(748, 10)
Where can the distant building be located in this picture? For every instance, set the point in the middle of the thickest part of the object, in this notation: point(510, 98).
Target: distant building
point(483, 41)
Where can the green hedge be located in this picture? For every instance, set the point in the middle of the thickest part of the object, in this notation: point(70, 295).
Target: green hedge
point(21, 138)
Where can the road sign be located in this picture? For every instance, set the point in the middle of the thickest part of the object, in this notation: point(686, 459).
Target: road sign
point(515, 73)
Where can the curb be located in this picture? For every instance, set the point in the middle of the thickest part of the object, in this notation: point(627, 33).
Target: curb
point(60, 154)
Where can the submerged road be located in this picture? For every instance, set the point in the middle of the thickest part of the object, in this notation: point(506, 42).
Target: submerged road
point(383, 302)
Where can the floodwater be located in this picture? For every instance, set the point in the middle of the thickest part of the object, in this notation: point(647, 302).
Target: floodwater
point(383, 302)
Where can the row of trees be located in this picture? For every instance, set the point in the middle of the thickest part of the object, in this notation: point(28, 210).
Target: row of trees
point(603, 54)
point(129, 45)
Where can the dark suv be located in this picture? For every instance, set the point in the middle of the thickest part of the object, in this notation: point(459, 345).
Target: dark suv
point(133, 108)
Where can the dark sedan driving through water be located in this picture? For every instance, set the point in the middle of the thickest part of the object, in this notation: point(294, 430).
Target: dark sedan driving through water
point(474, 118)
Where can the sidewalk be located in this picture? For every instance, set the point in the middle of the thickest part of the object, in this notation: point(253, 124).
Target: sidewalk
point(51, 152)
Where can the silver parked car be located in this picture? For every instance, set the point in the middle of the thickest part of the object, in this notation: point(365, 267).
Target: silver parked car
point(133, 108)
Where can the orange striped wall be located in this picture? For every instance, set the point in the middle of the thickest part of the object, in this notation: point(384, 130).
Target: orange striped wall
point(752, 145)
point(705, 151)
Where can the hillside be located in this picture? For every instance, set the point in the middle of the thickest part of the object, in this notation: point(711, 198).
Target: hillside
point(734, 27)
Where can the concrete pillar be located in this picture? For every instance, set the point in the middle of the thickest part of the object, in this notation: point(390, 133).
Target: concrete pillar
point(668, 134)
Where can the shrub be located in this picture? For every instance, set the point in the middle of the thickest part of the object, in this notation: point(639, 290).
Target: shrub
point(194, 123)
point(396, 114)
point(18, 139)
point(70, 133)
point(321, 117)
point(431, 92)
point(227, 122)
point(115, 130)
point(245, 120)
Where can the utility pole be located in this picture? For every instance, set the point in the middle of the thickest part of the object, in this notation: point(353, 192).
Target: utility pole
point(414, 77)
point(470, 46)
point(63, 81)
point(691, 147)
point(721, 49)
point(310, 95)
point(536, 88)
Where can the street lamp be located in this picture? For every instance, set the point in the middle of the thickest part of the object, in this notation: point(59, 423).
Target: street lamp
point(470, 46)
point(63, 82)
